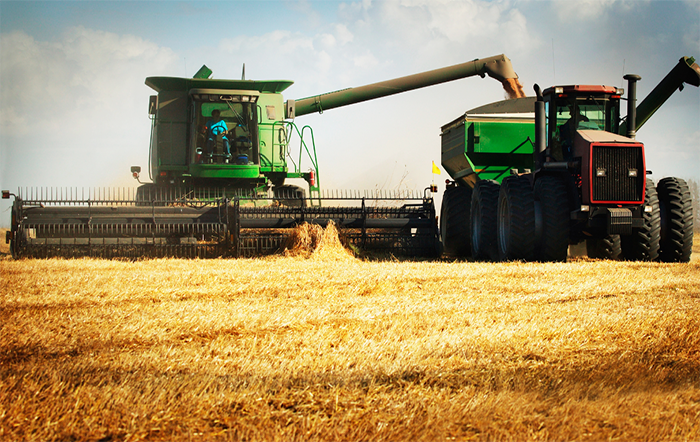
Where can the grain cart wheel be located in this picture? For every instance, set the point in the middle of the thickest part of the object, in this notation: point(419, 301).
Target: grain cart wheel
point(676, 206)
point(454, 221)
point(484, 209)
point(516, 219)
point(643, 243)
point(609, 247)
point(553, 197)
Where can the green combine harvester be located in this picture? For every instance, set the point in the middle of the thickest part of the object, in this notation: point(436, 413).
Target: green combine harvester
point(221, 156)
point(533, 175)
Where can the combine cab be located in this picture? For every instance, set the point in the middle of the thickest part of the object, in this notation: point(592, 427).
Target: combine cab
point(221, 156)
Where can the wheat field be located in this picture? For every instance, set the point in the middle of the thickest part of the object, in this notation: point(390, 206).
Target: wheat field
point(318, 345)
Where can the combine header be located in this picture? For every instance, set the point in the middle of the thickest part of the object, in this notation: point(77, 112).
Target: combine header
point(114, 223)
point(221, 152)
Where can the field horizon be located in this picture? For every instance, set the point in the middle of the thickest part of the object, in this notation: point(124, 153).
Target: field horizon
point(324, 346)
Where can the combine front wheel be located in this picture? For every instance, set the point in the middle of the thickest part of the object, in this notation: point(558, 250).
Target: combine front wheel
point(643, 243)
point(516, 219)
point(484, 210)
point(676, 206)
point(454, 221)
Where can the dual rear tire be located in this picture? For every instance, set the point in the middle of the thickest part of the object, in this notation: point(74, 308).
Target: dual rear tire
point(516, 219)
point(533, 224)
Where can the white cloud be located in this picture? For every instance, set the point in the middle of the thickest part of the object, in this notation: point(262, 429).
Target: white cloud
point(436, 28)
point(582, 10)
point(343, 34)
point(78, 105)
point(313, 18)
point(326, 40)
point(693, 4)
point(691, 38)
point(366, 61)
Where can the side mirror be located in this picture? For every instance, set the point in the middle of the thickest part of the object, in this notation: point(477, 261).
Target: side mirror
point(153, 105)
point(289, 109)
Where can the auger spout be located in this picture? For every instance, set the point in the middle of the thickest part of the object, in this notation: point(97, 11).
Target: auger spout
point(686, 71)
point(498, 67)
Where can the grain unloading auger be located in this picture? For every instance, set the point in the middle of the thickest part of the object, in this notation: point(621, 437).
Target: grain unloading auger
point(220, 153)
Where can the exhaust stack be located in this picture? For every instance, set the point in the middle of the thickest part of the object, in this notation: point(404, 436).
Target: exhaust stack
point(540, 130)
point(632, 80)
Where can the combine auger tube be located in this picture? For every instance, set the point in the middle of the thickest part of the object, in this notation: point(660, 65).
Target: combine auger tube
point(173, 222)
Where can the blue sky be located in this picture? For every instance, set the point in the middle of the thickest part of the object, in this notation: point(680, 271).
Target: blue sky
point(73, 101)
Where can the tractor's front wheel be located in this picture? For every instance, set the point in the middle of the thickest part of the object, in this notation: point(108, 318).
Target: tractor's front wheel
point(643, 244)
point(676, 206)
point(609, 247)
point(516, 219)
point(454, 221)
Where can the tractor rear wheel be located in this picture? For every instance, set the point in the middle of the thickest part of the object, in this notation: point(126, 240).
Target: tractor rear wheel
point(484, 211)
point(676, 205)
point(552, 194)
point(516, 219)
point(454, 221)
point(604, 248)
point(643, 243)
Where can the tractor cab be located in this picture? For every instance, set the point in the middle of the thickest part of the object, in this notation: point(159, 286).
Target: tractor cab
point(569, 109)
point(582, 134)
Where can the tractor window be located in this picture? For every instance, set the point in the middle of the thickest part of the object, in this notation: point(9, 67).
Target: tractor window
point(602, 114)
point(591, 117)
point(571, 114)
point(231, 140)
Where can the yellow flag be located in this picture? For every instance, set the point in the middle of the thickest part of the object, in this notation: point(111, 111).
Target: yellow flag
point(436, 170)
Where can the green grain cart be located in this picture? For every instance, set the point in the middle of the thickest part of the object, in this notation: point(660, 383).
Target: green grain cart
point(532, 176)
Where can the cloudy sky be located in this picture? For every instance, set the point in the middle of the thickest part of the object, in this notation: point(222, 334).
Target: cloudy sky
point(73, 103)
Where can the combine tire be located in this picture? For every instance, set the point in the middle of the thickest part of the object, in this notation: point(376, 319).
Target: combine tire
point(454, 221)
point(516, 220)
point(552, 194)
point(676, 206)
point(484, 210)
point(609, 247)
point(643, 243)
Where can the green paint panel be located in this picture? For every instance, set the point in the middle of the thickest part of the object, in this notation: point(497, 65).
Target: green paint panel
point(487, 146)
point(160, 84)
point(224, 171)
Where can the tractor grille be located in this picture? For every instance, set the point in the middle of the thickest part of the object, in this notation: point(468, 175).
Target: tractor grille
point(618, 174)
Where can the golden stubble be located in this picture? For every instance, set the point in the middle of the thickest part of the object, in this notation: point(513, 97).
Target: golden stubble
point(318, 345)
